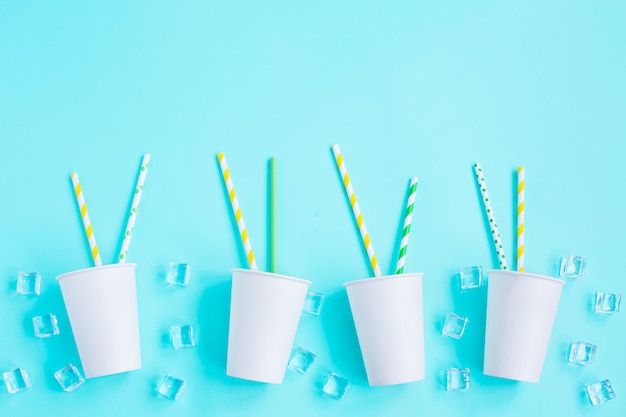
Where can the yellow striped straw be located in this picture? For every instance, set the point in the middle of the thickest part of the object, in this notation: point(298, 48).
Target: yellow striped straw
point(521, 185)
point(356, 211)
point(237, 211)
point(80, 199)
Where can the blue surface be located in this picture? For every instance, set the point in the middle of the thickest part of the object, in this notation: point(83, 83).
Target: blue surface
point(409, 88)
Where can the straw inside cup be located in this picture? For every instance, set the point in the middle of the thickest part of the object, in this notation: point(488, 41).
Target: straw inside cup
point(132, 216)
point(82, 206)
point(406, 230)
point(521, 185)
point(234, 203)
point(495, 234)
point(272, 210)
point(356, 211)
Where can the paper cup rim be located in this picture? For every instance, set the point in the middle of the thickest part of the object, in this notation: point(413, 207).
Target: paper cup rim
point(95, 268)
point(383, 278)
point(514, 273)
point(273, 275)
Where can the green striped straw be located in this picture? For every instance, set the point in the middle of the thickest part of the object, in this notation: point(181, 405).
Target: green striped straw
point(406, 230)
point(495, 234)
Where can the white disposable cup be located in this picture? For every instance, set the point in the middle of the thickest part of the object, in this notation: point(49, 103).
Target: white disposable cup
point(101, 303)
point(521, 309)
point(265, 309)
point(389, 319)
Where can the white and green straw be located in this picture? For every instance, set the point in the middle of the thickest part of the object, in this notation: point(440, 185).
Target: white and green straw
point(132, 216)
point(495, 234)
point(406, 229)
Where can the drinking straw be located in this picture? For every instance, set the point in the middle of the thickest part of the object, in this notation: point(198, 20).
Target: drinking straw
point(521, 185)
point(356, 211)
point(273, 254)
point(128, 234)
point(237, 211)
point(82, 206)
point(406, 230)
point(495, 234)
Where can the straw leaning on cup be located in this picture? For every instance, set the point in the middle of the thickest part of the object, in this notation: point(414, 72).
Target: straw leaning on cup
point(82, 206)
point(356, 211)
point(521, 185)
point(128, 233)
point(495, 234)
point(406, 229)
point(243, 233)
point(273, 232)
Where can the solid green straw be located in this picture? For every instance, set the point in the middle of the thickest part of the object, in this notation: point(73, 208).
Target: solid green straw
point(273, 255)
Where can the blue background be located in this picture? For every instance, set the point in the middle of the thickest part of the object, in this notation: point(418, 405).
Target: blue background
point(406, 88)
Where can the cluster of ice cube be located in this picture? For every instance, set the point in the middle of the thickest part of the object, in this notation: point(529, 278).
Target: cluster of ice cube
point(335, 386)
point(583, 353)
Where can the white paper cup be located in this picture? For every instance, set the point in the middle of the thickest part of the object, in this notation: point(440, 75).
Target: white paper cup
point(389, 320)
point(521, 309)
point(265, 309)
point(101, 303)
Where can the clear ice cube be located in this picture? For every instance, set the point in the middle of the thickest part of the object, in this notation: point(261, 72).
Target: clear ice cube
point(69, 378)
point(458, 379)
point(313, 303)
point(170, 387)
point(582, 353)
point(471, 277)
point(572, 266)
point(179, 274)
point(16, 380)
point(454, 326)
point(46, 325)
point(28, 283)
point(607, 303)
point(336, 386)
point(600, 392)
point(301, 360)
point(182, 336)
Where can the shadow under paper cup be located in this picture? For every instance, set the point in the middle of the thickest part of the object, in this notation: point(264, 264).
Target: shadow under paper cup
point(521, 309)
point(265, 309)
point(101, 303)
point(389, 319)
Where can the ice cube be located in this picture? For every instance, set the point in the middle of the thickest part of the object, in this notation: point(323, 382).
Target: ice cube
point(301, 360)
point(600, 392)
point(607, 303)
point(69, 378)
point(179, 274)
point(454, 326)
point(16, 380)
point(182, 336)
point(313, 303)
point(458, 379)
point(46, 325)
point(582, 353)
point(170, 387)
point(336, 386)
point(28, 283)
point(572, 266)
point(471, 277)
